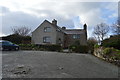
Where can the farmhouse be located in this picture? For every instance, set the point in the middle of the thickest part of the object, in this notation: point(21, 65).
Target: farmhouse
point(51, 33)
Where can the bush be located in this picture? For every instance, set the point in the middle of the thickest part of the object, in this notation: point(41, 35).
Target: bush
point(79, 49)
point(91, 42)
point(112, 42)
point(112, 53)
point(109, 54)
point(28, 47)
point(40, 47)
point(96, 46)
point(53, 47)
point(76, 43)
point(117, 54)
point(107, 51)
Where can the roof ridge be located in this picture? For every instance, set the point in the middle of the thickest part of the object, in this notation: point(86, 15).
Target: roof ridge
point(74, 29)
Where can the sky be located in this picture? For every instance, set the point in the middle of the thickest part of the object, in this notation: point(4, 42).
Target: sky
point(69, 13)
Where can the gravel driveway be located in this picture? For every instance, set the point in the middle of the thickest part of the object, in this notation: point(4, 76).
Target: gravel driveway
point(43, 64)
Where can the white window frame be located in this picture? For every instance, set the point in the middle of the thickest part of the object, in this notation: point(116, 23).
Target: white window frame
point(47, 39)
point(47, 29)
point(76, 36)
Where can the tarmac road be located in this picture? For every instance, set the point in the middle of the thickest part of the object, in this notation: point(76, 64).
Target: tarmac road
point(44, 64)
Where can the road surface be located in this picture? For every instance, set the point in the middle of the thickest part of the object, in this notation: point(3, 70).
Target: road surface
point(44, 64)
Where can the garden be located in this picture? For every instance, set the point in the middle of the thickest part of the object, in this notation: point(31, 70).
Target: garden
point(109, 50)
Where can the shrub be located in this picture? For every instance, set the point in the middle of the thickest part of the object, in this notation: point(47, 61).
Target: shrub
point(107, 51)
point(72, 47)
point(79, 49)
point(112, 53)
point(76, 43)
point(112, 42)
point(96, 46)
point(76, 47)
point(28, 46)
point(117, 54)
point(53, 47)
point(40, 47)
point(91, 42)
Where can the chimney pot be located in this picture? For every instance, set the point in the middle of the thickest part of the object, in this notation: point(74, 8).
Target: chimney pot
point(54, 22)
point(63, 28)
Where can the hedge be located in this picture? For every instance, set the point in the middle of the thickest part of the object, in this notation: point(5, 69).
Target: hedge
point(40, 47)
point(79, 48)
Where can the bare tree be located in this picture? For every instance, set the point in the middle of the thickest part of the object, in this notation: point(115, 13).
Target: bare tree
point(116, 27)
point(101, 31)
point(23, 31)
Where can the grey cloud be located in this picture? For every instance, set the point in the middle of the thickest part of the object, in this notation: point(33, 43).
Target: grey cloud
point(23, 19)
point(63, 12)
point(18, 19)
point(4, 9)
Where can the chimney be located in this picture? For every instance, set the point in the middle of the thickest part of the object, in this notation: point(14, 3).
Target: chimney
point(111, 36)
point(63, 28)
point(54, 22)
point(85, 27)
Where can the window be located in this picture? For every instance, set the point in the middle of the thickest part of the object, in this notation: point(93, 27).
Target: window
point(59, 41)
point(47, 29)
point(76, 36)
point(46, 39)
point(7, 43)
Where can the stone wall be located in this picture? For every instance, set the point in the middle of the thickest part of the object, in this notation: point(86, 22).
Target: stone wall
point(99, 52)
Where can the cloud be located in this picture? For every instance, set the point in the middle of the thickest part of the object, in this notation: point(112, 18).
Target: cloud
point(70, 14)
point(1, 34)
point(18, 19)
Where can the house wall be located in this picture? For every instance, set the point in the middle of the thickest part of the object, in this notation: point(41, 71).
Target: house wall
point(56, 34)
point(38, 34)
point(69, 40)
point(60, 35)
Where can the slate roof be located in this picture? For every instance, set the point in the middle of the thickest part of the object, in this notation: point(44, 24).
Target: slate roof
point(74, 31)
point(67, 31)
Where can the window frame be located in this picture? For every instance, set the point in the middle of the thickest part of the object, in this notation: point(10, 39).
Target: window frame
point(47, 39)
point(76, 36)
point(47, 29)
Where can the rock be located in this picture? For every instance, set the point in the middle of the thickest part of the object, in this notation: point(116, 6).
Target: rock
point(21, 70)
point(60, 68)
point(20, 66)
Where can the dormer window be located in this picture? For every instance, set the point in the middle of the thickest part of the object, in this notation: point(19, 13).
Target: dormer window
point(47, 29)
